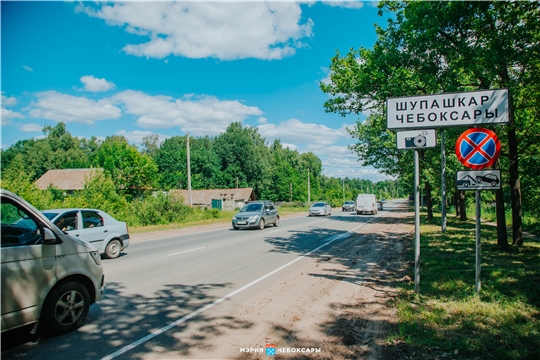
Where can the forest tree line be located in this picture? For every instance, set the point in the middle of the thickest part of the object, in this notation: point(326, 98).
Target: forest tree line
point(238, 157)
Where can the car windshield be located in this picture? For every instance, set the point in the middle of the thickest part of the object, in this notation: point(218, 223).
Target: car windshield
point(251, 208)
point(318, 205)
point(50, 215)
point(348, 202)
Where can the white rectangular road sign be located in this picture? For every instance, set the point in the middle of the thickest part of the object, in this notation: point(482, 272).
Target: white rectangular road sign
point(416, 139)
point(488, 107)
point(478, 179)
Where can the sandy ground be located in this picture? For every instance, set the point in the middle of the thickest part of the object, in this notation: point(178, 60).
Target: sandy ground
point(338, 302)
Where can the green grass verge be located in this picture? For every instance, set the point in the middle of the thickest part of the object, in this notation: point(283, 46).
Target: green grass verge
point(448, 319)
point(205, 218)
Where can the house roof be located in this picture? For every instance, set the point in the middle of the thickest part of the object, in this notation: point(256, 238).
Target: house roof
point(206, 196)
point(65, 179)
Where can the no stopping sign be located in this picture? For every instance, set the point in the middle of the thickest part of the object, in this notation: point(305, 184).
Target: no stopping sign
point(478, 148)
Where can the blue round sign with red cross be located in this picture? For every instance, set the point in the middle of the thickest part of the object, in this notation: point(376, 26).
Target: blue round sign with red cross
point(478, 148)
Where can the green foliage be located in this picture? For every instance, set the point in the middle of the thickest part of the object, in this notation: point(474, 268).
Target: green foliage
point(448, 317)
point(125, 187)
point(433, 47)
point(132, 172)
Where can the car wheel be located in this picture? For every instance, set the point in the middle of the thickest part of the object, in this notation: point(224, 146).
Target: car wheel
point(65, 308)
point(236, 227)
point(113, 250)
point(276, 223)
point(465, 184)
point(493, 183)
point(261, 224)
point(479, 179)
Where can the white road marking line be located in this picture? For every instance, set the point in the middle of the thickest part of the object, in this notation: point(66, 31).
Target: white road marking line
point(181, 252)
point(231, 294)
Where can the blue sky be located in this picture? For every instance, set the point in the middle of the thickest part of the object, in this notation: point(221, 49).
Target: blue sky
point(168, 68)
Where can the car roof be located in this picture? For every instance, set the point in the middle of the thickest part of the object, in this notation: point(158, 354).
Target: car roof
point(68, 209)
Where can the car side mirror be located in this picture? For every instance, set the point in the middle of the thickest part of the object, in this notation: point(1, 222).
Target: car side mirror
point(49, 238)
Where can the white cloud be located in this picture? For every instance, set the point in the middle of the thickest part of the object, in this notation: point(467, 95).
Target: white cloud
point(56, 106)
point(295, 131)
point(31, 128)
point(27, 68)
point(223, 30)
point(262, 120)
point(350, 4)
point(7, 115)
point(138, 135)
point(198, 115)
point(94, 84)
point(8, 101)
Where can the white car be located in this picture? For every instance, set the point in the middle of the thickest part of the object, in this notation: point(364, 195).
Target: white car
point(104, 232)
point(320, 208)
point(48, 277)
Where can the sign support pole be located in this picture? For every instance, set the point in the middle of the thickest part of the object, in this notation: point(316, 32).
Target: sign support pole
point(478, 244)
point(443, 185)
point(416, 222)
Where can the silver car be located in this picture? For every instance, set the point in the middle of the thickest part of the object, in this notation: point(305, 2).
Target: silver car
point(320, 208)
point(348, 205)
point(107, 234)
point(256, 214)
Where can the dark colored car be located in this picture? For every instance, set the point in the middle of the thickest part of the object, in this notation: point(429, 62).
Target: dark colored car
point(256, 214)
point(348, 205)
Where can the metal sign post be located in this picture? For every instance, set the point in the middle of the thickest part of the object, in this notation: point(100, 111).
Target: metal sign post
point(443, 185)
point(478, 243)
point(416, 222)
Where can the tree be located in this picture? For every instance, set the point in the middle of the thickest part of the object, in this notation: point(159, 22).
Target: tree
point(132, 172)
point(433, 47)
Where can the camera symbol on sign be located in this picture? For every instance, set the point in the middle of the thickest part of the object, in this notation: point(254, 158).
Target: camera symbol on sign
point(417, 141)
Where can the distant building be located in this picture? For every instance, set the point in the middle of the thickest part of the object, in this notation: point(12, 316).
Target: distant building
point(66, 179)
point(232, 198)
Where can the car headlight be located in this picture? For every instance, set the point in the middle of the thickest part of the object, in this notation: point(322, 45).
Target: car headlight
point(95, 255)
point(234, 218)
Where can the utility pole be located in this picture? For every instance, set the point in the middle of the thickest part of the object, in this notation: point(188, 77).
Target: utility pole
point(308, 188)
point(290, 192)
point(189, 171)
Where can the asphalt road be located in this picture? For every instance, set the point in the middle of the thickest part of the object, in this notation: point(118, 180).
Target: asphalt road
point(159, 288)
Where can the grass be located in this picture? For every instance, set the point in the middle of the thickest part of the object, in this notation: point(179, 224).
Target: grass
point(449, 319)
point(201, 218)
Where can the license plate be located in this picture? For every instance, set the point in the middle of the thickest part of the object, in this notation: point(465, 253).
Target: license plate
point(242, 222)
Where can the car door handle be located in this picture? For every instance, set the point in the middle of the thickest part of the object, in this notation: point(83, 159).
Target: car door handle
point(105, 230)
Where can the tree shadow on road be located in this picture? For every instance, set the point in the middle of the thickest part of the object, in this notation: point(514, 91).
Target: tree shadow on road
point(119, 320)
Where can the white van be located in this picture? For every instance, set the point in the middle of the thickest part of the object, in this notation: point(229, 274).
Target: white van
point(366, 203)
point(48, 277)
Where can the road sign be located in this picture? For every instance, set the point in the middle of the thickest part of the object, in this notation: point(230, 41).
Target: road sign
point(478, 148)
point(416, 139)
point(478, 180)
point(486, 107)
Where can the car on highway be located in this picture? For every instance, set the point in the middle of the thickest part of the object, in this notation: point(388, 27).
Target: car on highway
point(366, 203)
point(48, 276)
point(104, 232)
point(348, 205)
point(320, 208)
point(256, 214)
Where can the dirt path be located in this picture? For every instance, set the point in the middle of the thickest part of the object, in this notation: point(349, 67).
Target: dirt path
point(338, 303)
